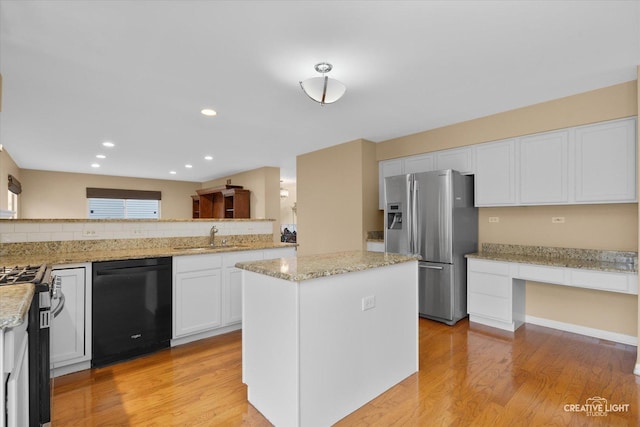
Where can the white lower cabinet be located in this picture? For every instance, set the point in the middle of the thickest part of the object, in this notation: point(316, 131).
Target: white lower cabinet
point(232, 289)
point(207, 292)
point(71, 328)
point(375, 246)
point(492, 296)
point(197, 294)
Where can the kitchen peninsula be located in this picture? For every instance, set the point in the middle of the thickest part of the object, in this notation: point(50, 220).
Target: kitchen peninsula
point(325, 334)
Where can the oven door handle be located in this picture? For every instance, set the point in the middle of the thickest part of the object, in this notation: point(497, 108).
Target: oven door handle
point(55, 311)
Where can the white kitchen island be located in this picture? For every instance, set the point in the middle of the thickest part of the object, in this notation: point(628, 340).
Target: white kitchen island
point(322, 335)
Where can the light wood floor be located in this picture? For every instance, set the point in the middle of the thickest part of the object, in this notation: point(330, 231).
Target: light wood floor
point(469, 376)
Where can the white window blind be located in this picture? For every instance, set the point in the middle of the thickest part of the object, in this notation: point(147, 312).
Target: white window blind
point(100, 208)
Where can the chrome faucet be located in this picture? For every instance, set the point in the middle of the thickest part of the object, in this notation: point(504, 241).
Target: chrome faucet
point(212, 235)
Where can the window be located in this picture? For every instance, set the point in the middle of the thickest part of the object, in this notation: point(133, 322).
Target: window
point(105, 203)
point(124, 208)
point(13, 204)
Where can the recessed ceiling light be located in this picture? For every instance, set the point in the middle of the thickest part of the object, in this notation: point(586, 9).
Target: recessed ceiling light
point(208, 112)
point(173, 172)
point(101, 156)
point(108, 144)
point(188, 166)
point(208, 157)
point(95, 165)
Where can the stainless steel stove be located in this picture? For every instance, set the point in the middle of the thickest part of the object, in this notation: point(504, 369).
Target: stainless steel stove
point(48, 289)
point(24, 274)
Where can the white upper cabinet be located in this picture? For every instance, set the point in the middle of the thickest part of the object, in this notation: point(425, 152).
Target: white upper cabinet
point(580, 165)
point(459, 159)
point(387, 168)
point(495, 180)
point(417, 164)
point(543, 168)
point(605, 162)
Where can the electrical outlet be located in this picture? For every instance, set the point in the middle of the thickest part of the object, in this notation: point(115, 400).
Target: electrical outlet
point(368, 302)
point(89, 233)
point(494, 219)
point(557, 219)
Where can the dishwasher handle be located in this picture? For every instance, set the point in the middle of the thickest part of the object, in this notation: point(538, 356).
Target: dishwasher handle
point(131, 270)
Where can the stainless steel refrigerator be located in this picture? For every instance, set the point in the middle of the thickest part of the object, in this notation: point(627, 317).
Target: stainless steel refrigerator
point(431, 214)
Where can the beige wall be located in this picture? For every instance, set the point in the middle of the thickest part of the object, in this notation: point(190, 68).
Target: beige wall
point(587, 226)
point(8, 166)
point(63, 195)
point(264, 184)
point(337, 196)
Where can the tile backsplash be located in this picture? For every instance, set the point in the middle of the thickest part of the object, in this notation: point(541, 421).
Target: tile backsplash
point(12, 231)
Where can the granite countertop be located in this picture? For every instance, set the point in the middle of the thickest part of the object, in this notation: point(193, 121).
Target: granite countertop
point(58, 258)
point(298, 269)
point(588, 259)
point(14, 304)
point(15, 299)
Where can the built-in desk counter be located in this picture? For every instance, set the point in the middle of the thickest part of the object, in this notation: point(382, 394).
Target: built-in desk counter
point(496, 277)
point(323, 335)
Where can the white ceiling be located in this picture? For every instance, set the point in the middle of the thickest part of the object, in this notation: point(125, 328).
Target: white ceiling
point(77, 73)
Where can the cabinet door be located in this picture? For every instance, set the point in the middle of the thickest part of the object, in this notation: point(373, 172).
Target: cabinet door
point(543, 168)
point(495, 174)
point(459, 159)
point(387, 168)
point(197, 301)
point(68, 344)
point(605, 162)
point(421, 163)
point(279, 253)
point(232, 287)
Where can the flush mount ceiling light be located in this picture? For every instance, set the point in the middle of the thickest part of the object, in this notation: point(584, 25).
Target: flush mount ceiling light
point(208, 112)
point(323, 89)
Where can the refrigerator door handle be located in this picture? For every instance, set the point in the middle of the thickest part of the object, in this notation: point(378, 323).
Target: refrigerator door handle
point(432, 267)
point(415, 233)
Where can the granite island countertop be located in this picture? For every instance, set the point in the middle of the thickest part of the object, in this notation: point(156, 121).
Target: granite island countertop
point(300, 268)
point(588, 259)
point(14, 304)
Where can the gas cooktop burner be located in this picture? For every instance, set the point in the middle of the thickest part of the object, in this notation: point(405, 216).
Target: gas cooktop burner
point(24, 274)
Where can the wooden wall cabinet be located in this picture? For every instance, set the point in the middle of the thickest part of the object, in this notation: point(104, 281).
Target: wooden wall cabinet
point(227, 201)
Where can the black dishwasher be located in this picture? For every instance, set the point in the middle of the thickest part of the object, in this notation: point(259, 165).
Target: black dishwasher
point(131, 308)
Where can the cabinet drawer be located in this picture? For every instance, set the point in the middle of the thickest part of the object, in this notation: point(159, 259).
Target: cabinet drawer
point(601, 280)
point(489, 306)
point(196, 262)
point(489, 284)
point(541, 274)
point(491, 267)
point(231, 258)
point(280, 253)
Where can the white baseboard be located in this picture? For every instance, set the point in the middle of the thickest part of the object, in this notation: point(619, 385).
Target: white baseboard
point(207, 334)
point(590, 332)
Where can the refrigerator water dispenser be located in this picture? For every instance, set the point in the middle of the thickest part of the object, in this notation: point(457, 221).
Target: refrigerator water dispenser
point(394, 217)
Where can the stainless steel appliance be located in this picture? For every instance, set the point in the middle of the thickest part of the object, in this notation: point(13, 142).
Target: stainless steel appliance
point(131, 308)
point(431, 215)
point(48, 294)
